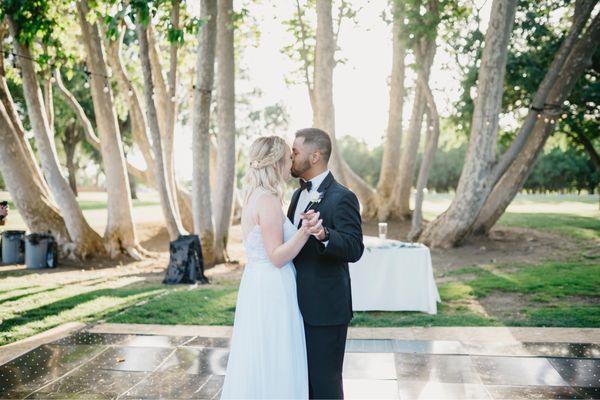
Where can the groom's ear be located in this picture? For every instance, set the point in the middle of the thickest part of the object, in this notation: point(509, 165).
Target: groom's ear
point(315, 157)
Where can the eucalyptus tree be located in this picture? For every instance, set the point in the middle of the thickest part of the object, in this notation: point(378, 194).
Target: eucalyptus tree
point(201, 142)
point(27, 22)
point(487, 184)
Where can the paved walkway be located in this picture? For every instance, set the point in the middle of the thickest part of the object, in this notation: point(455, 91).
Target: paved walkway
point(166, 361)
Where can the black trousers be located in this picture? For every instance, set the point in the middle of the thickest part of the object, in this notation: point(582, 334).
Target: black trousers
point(325, 346)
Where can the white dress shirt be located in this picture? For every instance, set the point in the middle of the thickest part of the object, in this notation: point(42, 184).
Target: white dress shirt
point(304, 198)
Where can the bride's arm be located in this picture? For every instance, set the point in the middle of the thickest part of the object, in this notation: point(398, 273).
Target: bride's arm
point(270, 219)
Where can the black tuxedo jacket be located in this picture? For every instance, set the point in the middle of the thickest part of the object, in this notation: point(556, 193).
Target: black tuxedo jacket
point(322, 278)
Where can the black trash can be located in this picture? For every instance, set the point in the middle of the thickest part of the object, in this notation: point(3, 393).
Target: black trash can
point(13, 247)
point(40, 251)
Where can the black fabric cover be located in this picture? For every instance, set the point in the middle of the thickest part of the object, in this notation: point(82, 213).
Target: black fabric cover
point(186, 264)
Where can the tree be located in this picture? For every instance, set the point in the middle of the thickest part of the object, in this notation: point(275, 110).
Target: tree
point(423, 44)
point(166, 199)
point(452, 225)
point(225, 125)
point(201, 201)
point(513, 179)
point(120, 234)
point(480, 201)
point(38, 211)
point(393, 139)
point(86, 241)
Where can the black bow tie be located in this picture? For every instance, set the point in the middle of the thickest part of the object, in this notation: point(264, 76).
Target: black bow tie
point(305, 185)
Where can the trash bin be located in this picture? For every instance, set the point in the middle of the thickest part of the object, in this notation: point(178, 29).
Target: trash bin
point(12, 247)
point(39, 250)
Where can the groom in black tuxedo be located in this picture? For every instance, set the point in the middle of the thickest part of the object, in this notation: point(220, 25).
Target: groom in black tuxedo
point(322, 278)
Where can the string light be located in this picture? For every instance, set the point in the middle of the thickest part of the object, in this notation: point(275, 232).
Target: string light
point(85, 70)
point(130, 93)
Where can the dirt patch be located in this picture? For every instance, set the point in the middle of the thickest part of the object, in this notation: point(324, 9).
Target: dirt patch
point(505, 305)
point(504, 245)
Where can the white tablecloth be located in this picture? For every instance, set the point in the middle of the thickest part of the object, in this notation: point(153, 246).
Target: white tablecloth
point(393, 276)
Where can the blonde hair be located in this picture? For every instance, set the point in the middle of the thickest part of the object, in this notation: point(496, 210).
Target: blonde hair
point(266, 160)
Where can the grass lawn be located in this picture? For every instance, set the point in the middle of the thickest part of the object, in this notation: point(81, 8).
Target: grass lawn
point(548, 293)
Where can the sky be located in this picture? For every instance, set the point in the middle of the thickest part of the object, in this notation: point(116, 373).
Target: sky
point(361, 93)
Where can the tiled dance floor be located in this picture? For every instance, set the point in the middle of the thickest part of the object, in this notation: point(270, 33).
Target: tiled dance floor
point(103, 365)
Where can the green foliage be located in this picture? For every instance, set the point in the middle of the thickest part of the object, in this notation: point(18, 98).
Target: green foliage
point(365, 162)
point(558, 170)
point(537, 35)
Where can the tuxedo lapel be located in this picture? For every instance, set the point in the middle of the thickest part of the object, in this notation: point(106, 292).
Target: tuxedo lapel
point(322, 189)
point(293, 204)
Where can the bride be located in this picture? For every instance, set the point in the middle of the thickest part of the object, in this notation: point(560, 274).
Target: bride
point(268, 350)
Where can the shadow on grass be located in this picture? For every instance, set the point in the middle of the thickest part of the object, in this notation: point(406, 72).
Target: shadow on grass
point(49, 315)
point(31, 293)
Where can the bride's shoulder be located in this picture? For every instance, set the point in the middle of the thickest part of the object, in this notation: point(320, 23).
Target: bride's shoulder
point(266, 199)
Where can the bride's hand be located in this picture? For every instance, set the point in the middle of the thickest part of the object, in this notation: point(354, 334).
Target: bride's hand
point(309, 220)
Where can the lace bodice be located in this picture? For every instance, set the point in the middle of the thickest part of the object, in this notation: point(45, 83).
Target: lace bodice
point(254, 244)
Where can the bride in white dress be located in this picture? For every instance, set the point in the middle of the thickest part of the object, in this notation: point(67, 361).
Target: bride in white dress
point(267, 358)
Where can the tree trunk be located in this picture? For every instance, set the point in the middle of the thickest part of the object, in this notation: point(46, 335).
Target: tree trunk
point(324, 111)
point(579, 137)
point(86, 240)
point(160, 86)
point(9, 106)
point(171, 116)
point(393, 140)
point(139, 130)
point(37, 210)
point(131, 96)
point(581, 15)
point(72, 138)
point(133, 187)
point(120, 234)
point(225, 126)
point(166, 199)
point(201, 202)
point(49, 103)
point(454, 224)
point(512, 181)
point(431, 142)
point(424, 55)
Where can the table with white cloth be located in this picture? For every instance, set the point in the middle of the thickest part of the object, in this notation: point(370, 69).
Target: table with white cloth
point(393, 276)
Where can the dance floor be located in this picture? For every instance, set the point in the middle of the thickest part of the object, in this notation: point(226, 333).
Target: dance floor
point(127, 366)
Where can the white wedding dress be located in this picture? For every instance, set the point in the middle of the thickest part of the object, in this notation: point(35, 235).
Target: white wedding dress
point(268, 349)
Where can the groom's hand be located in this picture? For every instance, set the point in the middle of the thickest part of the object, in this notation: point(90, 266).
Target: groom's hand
point(314, 224)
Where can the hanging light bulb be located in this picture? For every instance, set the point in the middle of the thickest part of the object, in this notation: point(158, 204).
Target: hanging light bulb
point(105, 90)
point(173, 99)
point(52, 79)
point(86, 85)
point(130, 93)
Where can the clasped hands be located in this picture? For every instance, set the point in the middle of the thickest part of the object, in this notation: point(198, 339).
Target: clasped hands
point(312, 224)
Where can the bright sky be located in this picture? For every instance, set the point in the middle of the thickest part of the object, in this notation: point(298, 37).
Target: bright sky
point(361, 94)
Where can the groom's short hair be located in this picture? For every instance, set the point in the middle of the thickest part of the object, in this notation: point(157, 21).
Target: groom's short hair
point(317, 138)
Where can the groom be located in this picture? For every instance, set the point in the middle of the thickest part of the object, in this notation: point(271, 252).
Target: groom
point(323, 280)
